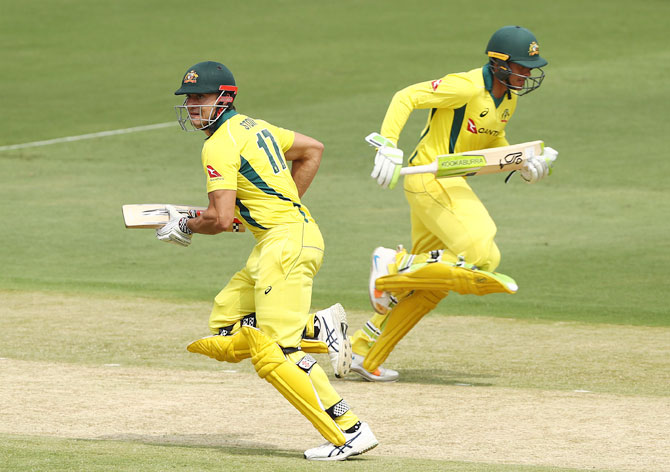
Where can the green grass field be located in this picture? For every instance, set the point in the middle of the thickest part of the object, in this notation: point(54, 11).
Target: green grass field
point(588, 246)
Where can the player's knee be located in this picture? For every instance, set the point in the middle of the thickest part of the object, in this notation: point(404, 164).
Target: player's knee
point(485, 255)
point(494, 258)
point(266, 355)
point(488, 257)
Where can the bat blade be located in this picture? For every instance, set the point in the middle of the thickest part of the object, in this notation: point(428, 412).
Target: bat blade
point(484, 161)
point(155, 215)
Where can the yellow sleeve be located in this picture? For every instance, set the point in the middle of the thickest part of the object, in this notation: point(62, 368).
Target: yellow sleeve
point(452, 91)
point(221, 164)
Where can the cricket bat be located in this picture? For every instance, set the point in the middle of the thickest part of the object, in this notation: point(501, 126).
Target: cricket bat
point(469, 163)
point(155, 215)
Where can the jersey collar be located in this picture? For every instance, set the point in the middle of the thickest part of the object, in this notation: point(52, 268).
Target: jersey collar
point(488, 83)
point(488, 77)
point(225, 116)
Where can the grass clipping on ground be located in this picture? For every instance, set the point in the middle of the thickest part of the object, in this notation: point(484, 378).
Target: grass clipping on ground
point(473, 389)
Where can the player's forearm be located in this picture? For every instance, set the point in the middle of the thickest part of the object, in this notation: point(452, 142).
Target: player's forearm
point(219, 215)
point(303, 172)
point(305, 156)
point(209, 222)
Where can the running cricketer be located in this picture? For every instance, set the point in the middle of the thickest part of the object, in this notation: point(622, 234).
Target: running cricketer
point(263, 310)
point(451, 229)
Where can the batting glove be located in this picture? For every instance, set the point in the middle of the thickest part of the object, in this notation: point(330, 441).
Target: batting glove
point(538, 167)
point(388, 163)
point(176, 230)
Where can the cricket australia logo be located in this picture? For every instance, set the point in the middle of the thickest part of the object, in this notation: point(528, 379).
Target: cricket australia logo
point(533, 49)
point(191, 77)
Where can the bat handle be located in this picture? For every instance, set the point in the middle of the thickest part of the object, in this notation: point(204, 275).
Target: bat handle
point(424, 169)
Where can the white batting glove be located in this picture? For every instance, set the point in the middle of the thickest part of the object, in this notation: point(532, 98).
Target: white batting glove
point(388, 163)
point(176, 230)
point(538, 167)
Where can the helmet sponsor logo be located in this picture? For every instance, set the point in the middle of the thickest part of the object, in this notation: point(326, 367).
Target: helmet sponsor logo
point(435, 84)
point(191, 77)
point(533, 49)
point(472, 127)
point(213, 173)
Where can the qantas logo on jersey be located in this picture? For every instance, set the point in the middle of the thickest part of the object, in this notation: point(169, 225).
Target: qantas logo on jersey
point(435, 84)
point(213, 173)
point(472, 127)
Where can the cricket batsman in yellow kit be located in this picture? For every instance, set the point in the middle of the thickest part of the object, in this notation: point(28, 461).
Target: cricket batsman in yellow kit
point(263, 311)
point(453, 235)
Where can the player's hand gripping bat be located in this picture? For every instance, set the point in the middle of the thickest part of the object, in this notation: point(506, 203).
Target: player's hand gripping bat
point(155, 215)
point(463, 164)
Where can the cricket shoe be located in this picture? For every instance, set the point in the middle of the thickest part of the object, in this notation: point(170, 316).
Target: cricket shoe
point(333, 331)
point(357, 443)
point(381, 301)
point(380, 374)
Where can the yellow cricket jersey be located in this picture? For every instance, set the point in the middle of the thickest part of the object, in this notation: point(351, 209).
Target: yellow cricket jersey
point(463, 115)
point(247, 155)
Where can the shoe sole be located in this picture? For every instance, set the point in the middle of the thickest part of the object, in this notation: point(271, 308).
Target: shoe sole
point(344, 356)
point(371, 378)
point(371, 288)
point(343, 457)
point(366, 449)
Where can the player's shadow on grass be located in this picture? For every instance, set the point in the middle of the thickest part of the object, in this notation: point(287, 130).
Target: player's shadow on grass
point(439, 377)
point(228, 444)
point(233, 445)
point(446, 377)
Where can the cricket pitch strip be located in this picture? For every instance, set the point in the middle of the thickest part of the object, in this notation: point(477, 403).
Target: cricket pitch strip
point(443, 421)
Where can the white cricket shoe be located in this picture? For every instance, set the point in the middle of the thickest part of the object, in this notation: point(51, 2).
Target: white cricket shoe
point(356, 443)
point(379, 375)
point(381, 302)
point(333, 331)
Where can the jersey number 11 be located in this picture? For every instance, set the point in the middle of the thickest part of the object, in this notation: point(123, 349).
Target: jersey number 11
point(262, 144)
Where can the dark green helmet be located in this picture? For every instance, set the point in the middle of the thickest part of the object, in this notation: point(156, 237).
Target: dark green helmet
point(207, 77)
point(515, 44)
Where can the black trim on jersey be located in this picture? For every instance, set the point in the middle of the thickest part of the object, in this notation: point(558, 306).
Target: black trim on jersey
point(423, 135)
point(246, 214)
point(456, 123)
point(252, 176)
